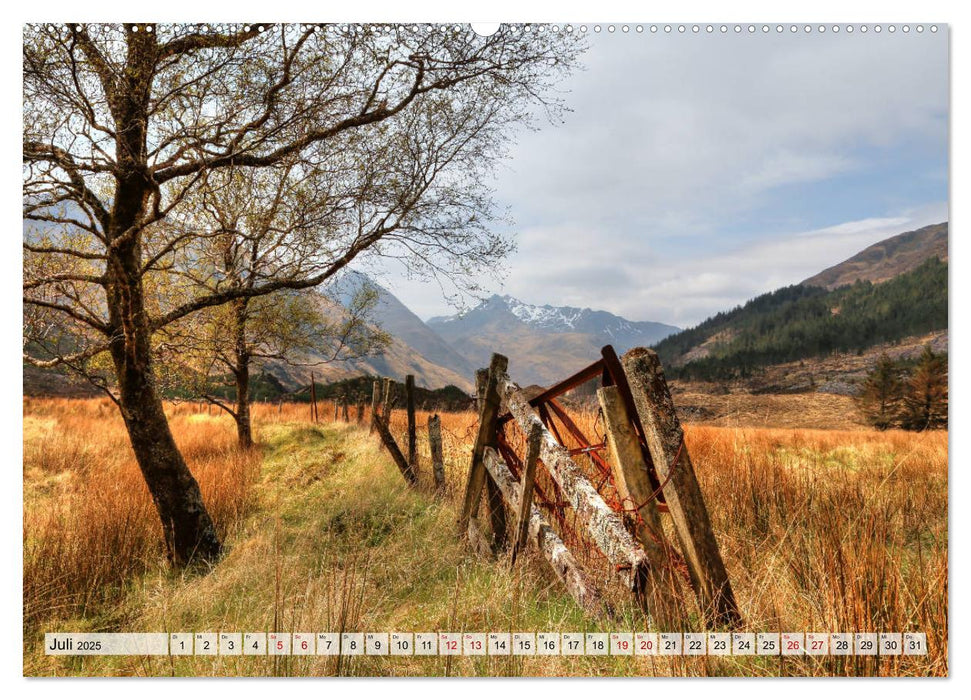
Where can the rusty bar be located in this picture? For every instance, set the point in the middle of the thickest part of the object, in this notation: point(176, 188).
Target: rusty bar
point(571, 382)
point(516, 467)
point(599, 461)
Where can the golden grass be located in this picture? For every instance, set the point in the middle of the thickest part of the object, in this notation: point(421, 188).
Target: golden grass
point(821, 530)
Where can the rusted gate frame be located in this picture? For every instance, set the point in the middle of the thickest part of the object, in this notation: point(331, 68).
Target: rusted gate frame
point(609, 369)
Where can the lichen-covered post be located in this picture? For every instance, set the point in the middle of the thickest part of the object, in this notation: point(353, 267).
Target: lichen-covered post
point(665, 440)
point(605, 527)
point(633, 485)
point(584, 591)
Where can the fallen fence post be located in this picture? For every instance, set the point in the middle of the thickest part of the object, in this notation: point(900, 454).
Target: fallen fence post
point(392, 446)
point(633, 484)
point(488, 427)
point(665, 439)
point(526, 497)
point(546, 541)
point(410, 407)
point(605, 527)
point(435, 447)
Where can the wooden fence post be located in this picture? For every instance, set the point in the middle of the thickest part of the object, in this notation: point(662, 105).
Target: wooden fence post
point(435, 447)
point(633, 484)
point(488, 426)
point(386, 401)
point(314, 416)
point(497, 509)
point(392, 446)
point(375, 402)
point(526, 494)
point(665, 440)
point(345, 416)
point(410, 406)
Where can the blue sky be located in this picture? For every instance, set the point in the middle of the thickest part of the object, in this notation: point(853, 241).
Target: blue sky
point(697, 171)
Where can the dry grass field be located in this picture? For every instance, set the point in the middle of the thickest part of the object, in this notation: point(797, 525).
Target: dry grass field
point(821, 530)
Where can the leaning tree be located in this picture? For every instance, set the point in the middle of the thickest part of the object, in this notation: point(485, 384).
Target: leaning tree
point(396, 127)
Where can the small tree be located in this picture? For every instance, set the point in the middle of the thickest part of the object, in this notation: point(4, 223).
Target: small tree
point(224, 346)
point(882, 393)
point(926, 397)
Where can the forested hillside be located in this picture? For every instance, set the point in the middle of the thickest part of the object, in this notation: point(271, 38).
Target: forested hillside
point(801, 321)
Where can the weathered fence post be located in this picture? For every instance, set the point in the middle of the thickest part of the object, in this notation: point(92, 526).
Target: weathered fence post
point(435, 447)
point(386, 401)
point(399, 459)
point(313, 399)
point(665, 440)
point(497, 509)
point(410, 406)
point(633, 484)
point(375, 402)
point(488, 400)
point(526, 494)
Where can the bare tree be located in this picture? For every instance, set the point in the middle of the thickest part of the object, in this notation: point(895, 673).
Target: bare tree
point(397, 126)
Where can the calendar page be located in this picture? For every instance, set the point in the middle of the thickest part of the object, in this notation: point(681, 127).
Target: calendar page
point(439, 349)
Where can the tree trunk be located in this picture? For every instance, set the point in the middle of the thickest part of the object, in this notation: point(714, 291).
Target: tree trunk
point(187, 529)
point(186, 526)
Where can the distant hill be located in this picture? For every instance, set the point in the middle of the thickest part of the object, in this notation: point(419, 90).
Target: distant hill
point(802, 321)
point(398, 320)
point(887, 259)
point(544, 343)
point(415, 348)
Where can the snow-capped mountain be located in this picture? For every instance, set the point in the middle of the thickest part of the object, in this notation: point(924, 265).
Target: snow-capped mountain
point(544, 343)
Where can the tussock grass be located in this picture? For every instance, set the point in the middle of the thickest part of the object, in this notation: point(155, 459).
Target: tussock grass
point(820, 530)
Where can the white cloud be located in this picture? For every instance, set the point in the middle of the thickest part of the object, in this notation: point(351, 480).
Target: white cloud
point(681, 182)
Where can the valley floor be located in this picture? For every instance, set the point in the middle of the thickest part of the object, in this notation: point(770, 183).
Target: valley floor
point(820, 530)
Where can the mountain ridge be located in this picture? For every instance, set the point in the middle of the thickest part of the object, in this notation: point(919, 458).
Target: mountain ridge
point(825, 314)
point(886, 259)
point(544, 343)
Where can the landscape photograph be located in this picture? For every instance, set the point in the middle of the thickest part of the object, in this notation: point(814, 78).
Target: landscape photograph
point(450, 350)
